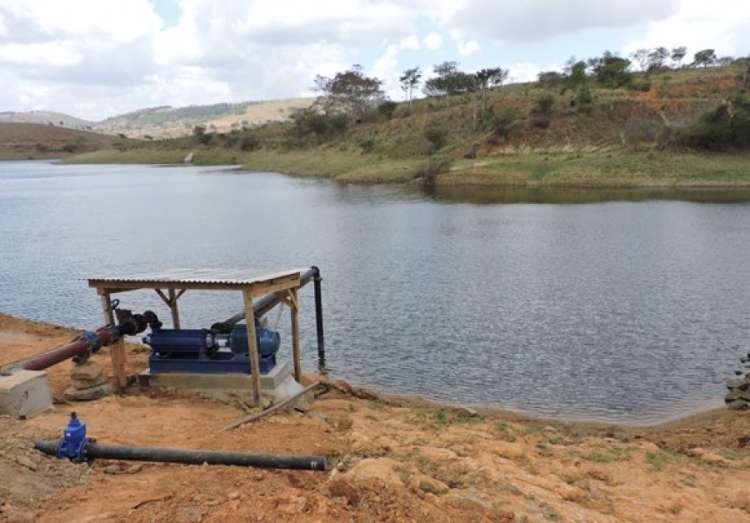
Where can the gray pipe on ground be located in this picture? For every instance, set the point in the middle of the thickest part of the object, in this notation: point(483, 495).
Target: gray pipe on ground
point(193, 457)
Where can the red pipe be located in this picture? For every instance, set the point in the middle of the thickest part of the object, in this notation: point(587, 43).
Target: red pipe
point(80, 345)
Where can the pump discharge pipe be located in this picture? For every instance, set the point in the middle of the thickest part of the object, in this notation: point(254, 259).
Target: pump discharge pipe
point(75, 446)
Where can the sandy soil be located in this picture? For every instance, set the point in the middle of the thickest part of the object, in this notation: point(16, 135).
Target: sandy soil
point(394, 460)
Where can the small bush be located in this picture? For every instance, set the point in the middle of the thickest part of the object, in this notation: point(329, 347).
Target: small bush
point(367, 145)
point(436, 165)
point(541, 113)
point(387, 109)
point(640, 85)
point(310, 123)
point(437, 137)
point(505, 122)
point(250, 143)
point(583, 99)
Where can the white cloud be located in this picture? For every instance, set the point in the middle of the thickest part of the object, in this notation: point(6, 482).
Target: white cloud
point(468, 48)
point(433, 41)
point(539, 19)
point(93, 58)
point(699, 25)
point(528, 72)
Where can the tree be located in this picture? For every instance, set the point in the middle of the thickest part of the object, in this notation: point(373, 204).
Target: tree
point(349, 91)
point(678, 54)
point(612, 70)
point(486, 79)
point(704, 58)
point(200, 134)
point(449, 80)
point(657, 59)
point(641, 56)
point(409, 81)
point(550, 78)
point(575, 74)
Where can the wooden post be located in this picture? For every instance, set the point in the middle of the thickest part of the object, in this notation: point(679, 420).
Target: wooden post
point(252, 344)
point(117, 349)
point(295, 333)
point(173, 308)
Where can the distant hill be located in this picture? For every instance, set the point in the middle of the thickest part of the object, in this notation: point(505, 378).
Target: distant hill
point(170, 122)
point(47, 118)
point(173, 122)
point(30, 140)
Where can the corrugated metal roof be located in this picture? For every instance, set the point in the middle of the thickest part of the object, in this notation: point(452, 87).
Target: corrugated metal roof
point(228, 277)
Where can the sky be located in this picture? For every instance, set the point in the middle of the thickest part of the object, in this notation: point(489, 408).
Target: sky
point(98, 58)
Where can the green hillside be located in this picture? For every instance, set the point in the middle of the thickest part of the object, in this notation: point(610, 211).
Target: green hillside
point(528, 134)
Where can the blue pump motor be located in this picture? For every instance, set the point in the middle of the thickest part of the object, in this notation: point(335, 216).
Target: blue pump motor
point(74, 442)
point(268, 341)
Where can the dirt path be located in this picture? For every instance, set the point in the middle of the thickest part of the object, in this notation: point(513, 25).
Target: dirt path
point(395, 460)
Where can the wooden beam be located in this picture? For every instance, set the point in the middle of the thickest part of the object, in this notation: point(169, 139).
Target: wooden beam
point(270, 410)
point(117, 349)
point(295, 334)
point(173, 308)
point(163, 296)
point(182, 291)
point(252, 344)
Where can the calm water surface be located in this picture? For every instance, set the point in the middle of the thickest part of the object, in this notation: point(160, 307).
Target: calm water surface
point(581, 304)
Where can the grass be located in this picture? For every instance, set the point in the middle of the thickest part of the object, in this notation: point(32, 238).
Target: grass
point(616, 168)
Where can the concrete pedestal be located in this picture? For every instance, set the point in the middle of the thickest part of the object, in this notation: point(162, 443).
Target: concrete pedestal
point(275, 384)
point(24, 393)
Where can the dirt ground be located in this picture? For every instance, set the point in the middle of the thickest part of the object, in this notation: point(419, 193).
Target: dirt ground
point(392, 459)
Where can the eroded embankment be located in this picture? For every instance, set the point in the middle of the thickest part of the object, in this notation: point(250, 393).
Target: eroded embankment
point(395, 459)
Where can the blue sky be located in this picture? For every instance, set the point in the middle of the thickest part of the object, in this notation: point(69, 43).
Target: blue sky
point(96, 58)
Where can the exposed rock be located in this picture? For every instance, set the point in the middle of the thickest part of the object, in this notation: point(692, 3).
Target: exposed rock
point(91, 393)
point(733, 395)
point(342, 386)
point(429, 485)
point(88, 372)
point(738, 383)
point(737, 405)
point(26, 462)
point(467, 412)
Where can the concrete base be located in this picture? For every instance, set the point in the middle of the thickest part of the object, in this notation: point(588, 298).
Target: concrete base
point(25, 393)
point(276, 384)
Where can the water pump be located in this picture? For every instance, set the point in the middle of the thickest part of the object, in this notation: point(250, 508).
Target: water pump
point(205, 351)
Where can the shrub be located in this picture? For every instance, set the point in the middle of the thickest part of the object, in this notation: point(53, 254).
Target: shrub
point(310, 123)
point(640, 85)
point(550, 78)
point(367, 145)
point(250, 143)
point(722, 128)
point(505, 122)
point(387, 109)
point(583, 99)
point(199, 132)
point(541, 113)
point(436, 165)
point(437, 137)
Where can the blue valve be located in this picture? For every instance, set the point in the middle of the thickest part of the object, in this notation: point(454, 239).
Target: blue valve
point(74, 443)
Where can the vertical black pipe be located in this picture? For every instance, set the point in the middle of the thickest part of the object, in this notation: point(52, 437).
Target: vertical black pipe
point(319, 319)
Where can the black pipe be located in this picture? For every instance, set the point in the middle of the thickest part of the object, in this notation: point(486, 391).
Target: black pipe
point(194, 457)
point(319, 318)
point(261, 306)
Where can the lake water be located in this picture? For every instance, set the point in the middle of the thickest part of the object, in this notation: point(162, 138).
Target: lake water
point(579, 304)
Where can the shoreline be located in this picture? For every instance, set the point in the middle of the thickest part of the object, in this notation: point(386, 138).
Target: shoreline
point(618, 169)
point(709, 410)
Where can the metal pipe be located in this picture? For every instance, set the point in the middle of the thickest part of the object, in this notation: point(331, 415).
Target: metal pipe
point(319, 318)
point(194, 457)
point(88, 341)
